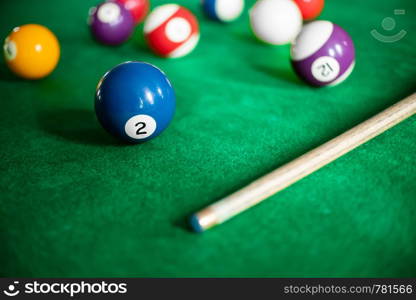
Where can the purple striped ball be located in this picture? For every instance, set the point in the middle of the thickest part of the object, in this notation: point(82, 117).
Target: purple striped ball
point(111, 23)
point(323, 54)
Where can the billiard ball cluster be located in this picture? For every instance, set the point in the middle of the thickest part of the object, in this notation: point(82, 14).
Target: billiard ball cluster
point(322, 53)
point(170, 30)
point(135, 101)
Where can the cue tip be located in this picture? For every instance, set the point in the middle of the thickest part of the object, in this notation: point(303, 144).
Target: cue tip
point(195, 224)
point(203, 220)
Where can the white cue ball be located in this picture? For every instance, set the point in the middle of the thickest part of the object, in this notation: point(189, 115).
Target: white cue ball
point(276, 22)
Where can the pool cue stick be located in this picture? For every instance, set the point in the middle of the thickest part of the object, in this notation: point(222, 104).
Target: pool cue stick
point(304, 165)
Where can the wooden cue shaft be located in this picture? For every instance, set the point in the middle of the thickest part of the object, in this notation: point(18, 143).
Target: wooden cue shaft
point(299, 168)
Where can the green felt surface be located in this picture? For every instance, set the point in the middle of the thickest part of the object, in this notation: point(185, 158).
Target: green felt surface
point(75, 202)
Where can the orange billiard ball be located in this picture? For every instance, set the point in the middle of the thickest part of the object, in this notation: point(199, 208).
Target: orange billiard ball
point(31, 51)
point(310, 9)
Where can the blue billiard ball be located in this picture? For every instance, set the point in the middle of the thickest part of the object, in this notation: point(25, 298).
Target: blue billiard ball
point(223, 10)
point(135, 101)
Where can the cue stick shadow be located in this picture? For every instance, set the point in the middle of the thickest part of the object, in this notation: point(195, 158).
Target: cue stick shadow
point(183, 224)
point(78, 126)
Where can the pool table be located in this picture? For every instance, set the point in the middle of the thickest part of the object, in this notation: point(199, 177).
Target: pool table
point(75, 202)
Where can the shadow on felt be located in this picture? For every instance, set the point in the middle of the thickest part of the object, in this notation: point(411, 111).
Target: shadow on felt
point(140, 43)
point(273, 61)
point(279, 72)
point(248, 37)
point(182, 223)
point(75, 125)
point(7, 75)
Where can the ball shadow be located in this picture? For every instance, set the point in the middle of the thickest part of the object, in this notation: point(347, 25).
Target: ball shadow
point(273, 61)
point(139, 41)
point(7, 75)
point(279, 73)
point(249, 38)
point(75, 125)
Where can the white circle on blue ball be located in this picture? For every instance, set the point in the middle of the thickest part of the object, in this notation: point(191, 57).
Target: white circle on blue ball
point(140, 127)
point(325, 68)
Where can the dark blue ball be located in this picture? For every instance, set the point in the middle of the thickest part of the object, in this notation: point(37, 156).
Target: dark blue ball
point(210, 10)
point(223, 10)
point(135, 101)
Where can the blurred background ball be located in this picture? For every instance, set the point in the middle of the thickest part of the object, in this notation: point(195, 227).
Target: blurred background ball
point(310, 9)
point(323, 54)
point(276, 22)
point(137, 8)
point(171, 31)
point(223, 10)
point(111, 23)
point(31, 51)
